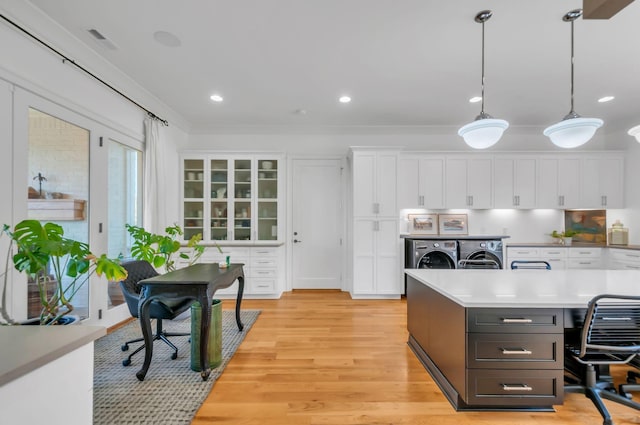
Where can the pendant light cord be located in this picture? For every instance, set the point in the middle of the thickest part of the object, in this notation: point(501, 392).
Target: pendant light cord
point(572, 112)
point(482, 114)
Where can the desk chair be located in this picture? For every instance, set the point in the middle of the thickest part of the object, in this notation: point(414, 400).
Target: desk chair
point(139, 270)
point(610, 335)
point(530, 264)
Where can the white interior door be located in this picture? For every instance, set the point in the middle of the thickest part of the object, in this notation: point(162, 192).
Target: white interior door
point(317, 224)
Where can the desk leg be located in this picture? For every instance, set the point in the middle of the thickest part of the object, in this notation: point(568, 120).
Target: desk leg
point(145, 323)
point(205, 323)
point(238, 301)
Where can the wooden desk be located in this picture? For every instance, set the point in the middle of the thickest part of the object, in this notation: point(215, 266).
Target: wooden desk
point(493, 339)
point(197, 282)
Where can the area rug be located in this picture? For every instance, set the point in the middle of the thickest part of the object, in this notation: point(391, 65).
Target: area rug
point(171, 392)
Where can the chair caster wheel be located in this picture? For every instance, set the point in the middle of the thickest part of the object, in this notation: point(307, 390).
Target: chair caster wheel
point(174, 356)
point(126, 362)
point(124, 347)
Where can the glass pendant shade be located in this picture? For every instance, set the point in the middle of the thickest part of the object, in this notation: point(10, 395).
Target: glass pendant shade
point(635, 132)
point(483, 133)
point(573, 132)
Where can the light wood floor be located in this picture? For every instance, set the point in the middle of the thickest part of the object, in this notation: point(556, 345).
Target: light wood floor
point(321, 358)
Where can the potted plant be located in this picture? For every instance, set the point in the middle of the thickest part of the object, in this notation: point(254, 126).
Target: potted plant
point(565, 237)
point(159, 250)
point(45, 255)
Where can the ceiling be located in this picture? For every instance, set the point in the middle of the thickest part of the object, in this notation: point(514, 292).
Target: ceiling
point(407, 64)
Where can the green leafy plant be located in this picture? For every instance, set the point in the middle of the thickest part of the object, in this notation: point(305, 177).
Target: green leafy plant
point(159, 250)
point(569, 233)
point(46, 255)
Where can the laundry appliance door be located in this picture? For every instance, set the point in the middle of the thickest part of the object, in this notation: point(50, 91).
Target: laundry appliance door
point(436, 260)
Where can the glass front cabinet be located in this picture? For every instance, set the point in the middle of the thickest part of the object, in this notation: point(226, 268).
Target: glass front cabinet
point(227, 198)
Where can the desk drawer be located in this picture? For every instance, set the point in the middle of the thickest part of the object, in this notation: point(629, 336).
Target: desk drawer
point(513, 388)
point(512, 320)
point(515, 351)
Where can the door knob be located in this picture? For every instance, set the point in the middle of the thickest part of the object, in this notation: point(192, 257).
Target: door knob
point(296, 241)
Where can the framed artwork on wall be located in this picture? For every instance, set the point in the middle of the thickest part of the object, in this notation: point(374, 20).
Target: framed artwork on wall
point(453, 224)
point(423, 224)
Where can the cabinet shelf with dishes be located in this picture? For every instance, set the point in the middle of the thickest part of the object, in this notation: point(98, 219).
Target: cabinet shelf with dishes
point(232, 198)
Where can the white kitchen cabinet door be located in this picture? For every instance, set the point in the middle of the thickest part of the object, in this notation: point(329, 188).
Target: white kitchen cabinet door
point(431, 175)
point(409, 183)
point(386, 173)
point(514, 183)
point(468, 183)
point(376, 257)
point(558, 183)
point(364, 256)
point(364, 184)
point(375, 184)
point(602, 183)
point(456, 195)
point(387, 273)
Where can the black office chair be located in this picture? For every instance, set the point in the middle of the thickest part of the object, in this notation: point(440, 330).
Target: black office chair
point(530, 264)
point(139, 270)
point(610, 335)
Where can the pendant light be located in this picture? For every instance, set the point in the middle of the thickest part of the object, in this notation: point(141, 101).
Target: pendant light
point(485, 131)
point(635, 132)
point(573, 130)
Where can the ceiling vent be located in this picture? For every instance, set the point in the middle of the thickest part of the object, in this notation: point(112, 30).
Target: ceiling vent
point(101, 39)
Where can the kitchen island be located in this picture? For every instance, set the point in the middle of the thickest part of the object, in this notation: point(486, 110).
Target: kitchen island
point(493, 339)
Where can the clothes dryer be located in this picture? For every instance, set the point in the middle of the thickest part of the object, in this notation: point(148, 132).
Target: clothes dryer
point(432, 254)
point(480, 254)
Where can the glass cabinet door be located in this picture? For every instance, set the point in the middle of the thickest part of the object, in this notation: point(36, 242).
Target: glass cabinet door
point(242, 200)
point(193, 212)
point(267, 200)
point(219, 199)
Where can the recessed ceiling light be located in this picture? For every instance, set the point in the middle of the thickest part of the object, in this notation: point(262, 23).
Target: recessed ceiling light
point(166, 39)
point(216, 98)
point(300, 112)
point(344, 99)
point(606, 99)
point(475, 99)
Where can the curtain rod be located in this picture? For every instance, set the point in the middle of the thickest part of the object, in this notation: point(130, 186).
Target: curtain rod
point(86, 71)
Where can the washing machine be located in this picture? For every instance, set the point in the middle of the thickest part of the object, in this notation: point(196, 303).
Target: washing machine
point(480, 254)
point(432, 254)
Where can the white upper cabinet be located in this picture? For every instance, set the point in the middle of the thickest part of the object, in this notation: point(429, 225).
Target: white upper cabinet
point(375, 183)
point(514, 182)
point(602, 182)
point(421, 182)
point(468, 183)
point(558, 182)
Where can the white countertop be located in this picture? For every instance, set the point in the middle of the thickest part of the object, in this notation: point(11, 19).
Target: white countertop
point(527, 288)
point(24, 348)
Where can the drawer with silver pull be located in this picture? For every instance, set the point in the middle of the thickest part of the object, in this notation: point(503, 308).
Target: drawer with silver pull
point(515, 320)
point(515, 351)
point(513, 388)
point(259, 286)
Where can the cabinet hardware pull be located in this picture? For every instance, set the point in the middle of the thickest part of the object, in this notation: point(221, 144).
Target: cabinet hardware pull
point(376, 208)
point(421, 200)
point(509, 351)
point(516, 387)
point(516, 320)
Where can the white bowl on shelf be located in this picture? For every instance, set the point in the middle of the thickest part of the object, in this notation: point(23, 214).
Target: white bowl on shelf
point(267, 165)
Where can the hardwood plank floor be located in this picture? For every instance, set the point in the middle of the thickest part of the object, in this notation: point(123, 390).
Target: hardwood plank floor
point(321, 358)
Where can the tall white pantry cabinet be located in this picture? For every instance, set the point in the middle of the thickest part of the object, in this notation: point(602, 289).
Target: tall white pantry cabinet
point(374, 224)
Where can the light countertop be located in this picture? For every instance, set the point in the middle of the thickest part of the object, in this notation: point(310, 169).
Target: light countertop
point(453, 237)
point(24, 348)
point(527, 288)
point(573, 245)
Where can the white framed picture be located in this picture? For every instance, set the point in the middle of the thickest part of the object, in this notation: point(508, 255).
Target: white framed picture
point(423, 224)
point(453, 224)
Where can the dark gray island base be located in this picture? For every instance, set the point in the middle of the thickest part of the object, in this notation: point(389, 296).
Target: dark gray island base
point(487, 358)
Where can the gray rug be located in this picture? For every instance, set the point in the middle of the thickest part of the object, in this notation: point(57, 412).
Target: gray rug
point(171, 392)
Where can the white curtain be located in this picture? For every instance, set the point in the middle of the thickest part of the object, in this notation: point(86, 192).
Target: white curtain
point(155, 214)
